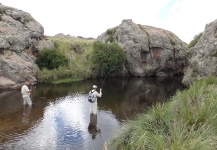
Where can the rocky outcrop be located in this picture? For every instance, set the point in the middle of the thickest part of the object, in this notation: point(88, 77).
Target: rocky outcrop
point(202, 58)
point(61, 35)
point(21, 37)
point(150, 51)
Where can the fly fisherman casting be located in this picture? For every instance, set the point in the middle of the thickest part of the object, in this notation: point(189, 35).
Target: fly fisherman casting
point(92, 98)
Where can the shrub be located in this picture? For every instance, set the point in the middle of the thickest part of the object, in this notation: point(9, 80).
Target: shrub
point(51, 59)
point(194, 41)
point(111, 33)
point(108, 58)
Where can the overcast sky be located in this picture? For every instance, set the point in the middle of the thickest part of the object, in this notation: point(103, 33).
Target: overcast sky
point(90, 18)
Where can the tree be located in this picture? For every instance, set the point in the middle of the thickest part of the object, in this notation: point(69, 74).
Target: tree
point(51, 59)
point(108, 58)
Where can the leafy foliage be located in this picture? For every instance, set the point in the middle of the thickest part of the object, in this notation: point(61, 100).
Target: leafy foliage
point(51, 59)
point(194, 41)
point(108, 58)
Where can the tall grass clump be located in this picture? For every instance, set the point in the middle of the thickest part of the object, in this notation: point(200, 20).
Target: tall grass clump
point(58, 75)
point(188, 122)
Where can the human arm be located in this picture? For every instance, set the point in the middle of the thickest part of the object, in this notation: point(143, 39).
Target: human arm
point(28, 90)
point(99, 94)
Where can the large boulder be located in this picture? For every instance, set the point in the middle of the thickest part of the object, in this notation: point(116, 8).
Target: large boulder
point(21, 38)
point(150, 51)
point(202, 58)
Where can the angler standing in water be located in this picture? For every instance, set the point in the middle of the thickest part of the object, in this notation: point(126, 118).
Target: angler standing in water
point(26, 94)
point(95, 94)
point(92, 128)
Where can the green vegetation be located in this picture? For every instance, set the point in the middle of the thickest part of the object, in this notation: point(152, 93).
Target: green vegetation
point(143, 29)
point(108, 58)
point(214, 53)
point(194, 41)
point(188, 121)
point(111, 33)
point(2, 10)
point(75, 59)
point(78, 53)
point(26, 20)
point(59, 75)
point(172, 38)
point(51, 59)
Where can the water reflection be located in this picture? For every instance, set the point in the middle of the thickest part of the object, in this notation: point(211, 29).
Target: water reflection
point(60, 116)
point(26, 113)
point(92, 128)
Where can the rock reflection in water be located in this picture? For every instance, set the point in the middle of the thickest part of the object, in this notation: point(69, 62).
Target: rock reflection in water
point(127, 97)
point(26, 114)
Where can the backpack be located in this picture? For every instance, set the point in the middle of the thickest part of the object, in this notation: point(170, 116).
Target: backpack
point(91, 98)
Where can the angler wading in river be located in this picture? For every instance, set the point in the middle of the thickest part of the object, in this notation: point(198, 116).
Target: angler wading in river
point(93, 101)
point(25, 91)
point(92, 98)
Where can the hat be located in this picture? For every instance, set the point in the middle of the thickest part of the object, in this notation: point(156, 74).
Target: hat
point(94, 86)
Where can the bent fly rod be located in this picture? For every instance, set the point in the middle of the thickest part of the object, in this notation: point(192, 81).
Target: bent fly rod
point(106, 77)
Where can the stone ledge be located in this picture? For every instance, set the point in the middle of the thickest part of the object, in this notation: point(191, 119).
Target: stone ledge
point(6, 83)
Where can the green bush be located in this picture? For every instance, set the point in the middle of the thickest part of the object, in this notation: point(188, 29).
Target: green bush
point(51, 59)
point(107, 58)
point(194, 41)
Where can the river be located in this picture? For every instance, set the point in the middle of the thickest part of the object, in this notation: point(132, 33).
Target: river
point(60, 115)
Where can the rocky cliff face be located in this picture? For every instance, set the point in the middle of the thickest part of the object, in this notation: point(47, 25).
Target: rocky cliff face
point(21, 37)
point(150, 51)
point(202, 58)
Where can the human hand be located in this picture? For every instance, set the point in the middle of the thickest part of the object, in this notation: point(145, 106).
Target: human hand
point(100, 89)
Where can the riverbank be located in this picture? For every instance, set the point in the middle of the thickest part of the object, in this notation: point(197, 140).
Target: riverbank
point(188, 121)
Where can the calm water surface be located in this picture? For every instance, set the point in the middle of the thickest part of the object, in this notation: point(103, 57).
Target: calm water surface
point(59, 117)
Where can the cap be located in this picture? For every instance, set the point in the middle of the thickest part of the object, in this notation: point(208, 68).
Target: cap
point(94, 86)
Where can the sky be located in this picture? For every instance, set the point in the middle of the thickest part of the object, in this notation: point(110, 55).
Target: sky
point(90, 18)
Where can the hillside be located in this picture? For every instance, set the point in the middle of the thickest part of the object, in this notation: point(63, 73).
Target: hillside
point(78, 50)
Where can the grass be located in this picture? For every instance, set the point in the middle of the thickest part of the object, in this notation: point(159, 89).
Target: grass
point(195, 40)
point(79, 52)
point(187, 122)
point(67, 80)
point(143, 29)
